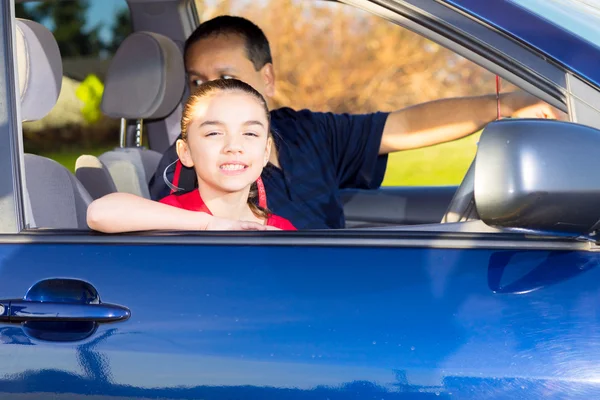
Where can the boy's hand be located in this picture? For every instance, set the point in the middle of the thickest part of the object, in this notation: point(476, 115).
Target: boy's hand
point(520, 104)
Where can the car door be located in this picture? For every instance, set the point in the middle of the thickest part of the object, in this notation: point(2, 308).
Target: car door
point(286, 315)
point(359, 317)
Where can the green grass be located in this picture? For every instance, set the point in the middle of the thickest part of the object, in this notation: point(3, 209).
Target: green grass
point(444, 164)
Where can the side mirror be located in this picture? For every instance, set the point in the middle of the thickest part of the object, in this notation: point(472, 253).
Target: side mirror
point(539, 175)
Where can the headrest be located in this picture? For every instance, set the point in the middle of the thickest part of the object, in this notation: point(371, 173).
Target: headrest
point(146, 78)
point(39, 67)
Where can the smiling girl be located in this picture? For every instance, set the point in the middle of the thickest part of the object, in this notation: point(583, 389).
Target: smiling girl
point(226, 139)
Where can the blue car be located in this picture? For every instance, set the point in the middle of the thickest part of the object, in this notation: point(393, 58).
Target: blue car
point(488, 290)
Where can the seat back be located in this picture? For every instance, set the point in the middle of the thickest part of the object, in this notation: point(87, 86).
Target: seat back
point(94, 175)
point(131, 169)
point(145, 81)
point(53, 196)
point(57, 198)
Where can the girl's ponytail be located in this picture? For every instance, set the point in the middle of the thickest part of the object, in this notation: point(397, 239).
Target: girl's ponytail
point(253, 203)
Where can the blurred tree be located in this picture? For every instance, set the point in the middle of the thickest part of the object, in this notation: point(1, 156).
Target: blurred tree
point(27, 12)
point(68, 20)
point(334, 57)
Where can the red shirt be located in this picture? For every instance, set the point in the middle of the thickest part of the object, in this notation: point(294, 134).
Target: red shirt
point(192, 201)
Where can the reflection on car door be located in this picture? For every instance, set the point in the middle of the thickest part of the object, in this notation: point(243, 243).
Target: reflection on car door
point(338, 322)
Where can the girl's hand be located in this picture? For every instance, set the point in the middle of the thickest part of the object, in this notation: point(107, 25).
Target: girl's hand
point(223, 224)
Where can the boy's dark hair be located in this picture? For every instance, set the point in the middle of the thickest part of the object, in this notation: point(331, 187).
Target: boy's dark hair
point(258, 50)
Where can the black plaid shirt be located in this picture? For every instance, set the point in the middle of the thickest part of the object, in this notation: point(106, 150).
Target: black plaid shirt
point(319, 154)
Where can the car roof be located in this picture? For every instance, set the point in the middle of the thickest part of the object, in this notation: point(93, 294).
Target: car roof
point(526, 20)
point(581, 17)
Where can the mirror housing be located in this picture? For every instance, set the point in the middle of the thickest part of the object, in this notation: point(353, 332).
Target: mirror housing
point(538, 174)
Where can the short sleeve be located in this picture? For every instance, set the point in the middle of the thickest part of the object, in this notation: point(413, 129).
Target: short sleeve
point(355, 141)
point(281, 223)
point(171, 200)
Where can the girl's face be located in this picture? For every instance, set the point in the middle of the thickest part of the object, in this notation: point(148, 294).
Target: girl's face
point(227, 141)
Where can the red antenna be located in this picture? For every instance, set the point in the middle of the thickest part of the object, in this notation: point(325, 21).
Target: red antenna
point(498, 97)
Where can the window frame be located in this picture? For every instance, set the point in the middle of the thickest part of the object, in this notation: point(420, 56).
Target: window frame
point(12, 181)
point(426, 240)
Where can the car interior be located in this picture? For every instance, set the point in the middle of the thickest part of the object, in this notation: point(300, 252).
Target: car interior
point(145, 85)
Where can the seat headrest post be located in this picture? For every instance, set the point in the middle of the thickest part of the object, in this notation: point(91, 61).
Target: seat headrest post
point(123, 134)
point(139, 131)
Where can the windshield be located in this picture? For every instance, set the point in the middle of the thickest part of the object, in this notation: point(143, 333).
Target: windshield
point(581, 17)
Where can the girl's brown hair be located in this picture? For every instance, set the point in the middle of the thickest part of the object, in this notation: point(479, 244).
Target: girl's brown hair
point(226, 85)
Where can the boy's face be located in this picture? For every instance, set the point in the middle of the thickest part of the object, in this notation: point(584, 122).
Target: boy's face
point(224, 56)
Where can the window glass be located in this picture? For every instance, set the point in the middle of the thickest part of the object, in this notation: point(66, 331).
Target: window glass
point(88, 33)
point(330, 56)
